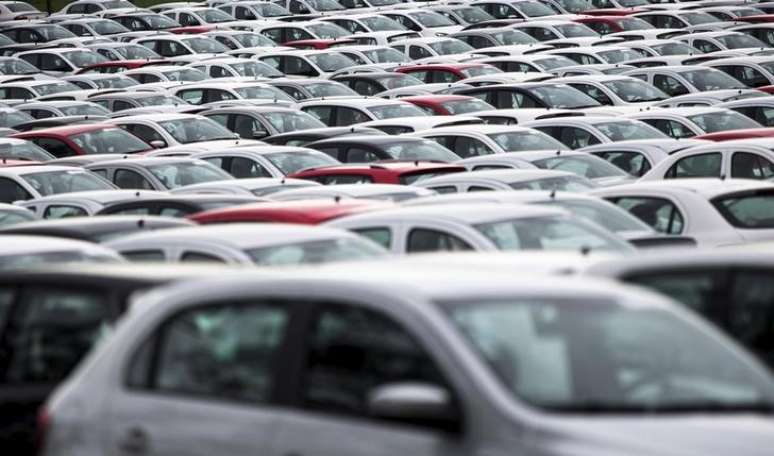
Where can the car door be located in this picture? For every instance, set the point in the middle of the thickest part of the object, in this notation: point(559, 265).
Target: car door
point(214, 370)
point(748, 165)
point(341, 364)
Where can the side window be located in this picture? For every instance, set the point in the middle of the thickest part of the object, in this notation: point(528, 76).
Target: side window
point(594, 92)
point(294, 92)
point(187, 20)
point(477, 188)
point(751, 166)
point(347, 116)
point(213, 95)
point(700, 165)
point(297, 7)
point(220, 352)
point(217, 71)
point(365, 87)
point(299, 67)
point(124, 178)
point(192, 96)
point(418, 52)
point(248, 127)
point(346, 359)
point(10, 191)
point(322, 113)
point(244, 13)
point(296, 34)
point(50, 331)
point(671, 128)
point(633, 163)
point(358, 155)
point(62, 211)
point(575, 138)
point(705, 46)
point(242, 168)
point(669, 85)
point(540, 33)
point(274, 34)
point(145, 133)
point(382, 236)
point(336, 179)
point(55, 147)
point(658, 213)
point(199, 257)
point(470, 147)
point(444, 189)
point(140, 256)
point(428, 240)
point(52, 62)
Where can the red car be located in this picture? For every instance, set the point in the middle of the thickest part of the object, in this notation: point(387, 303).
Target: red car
point(611, 24)
point(447, 72)
point(758, 19)
point(117, 66)
point(730, 135)
point(191, 29)
point(307, 212)
point(86, 139)
point(396, 172)
point(448, 105)
point(320, 43)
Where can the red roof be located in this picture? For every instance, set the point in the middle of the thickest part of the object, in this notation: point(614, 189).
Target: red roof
point(738, 134)
point(63, 131)
point(758, 18)
point(308, 212)
point(398, 166)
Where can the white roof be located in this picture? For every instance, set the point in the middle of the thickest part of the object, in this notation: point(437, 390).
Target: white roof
point(457, 213)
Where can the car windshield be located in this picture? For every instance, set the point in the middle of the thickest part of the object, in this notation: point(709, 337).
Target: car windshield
point(56, 182)
point(24, 151)
point(26, 260)
point(510, 37)
point(634, 23)
point(12, 217)
point(698, 18)
point(327, 31)
point(254, 40)
point(549, 233)
point(324, 251)
point(451, 46)
point(386, 55)
point(633, 3)
point(84, 109)
point(740, 41)
point(624, 130)
point(384, 2)
point(620, 55)
point(16, 66)
point(473, 15)
point(713, 122)
point(711, 79)
point(585, 165)
point(107, 27)
point(293, 162)
point(255, 68)
point(555, 354)
point(325, 5)
point(381, 24)
point(159, 22)
point(466, 106)
point(56, 87)
point(184, 74)
point(563, 96)
point(202, 45)
point(214, 16)
point(533, 9)
point(601, 212)
point(174, 175)
point(396, 110)
point(118, 82)
point(431, 19)
point(552, 63)
point(421, 150)
point(519, 141)
point(159, 100)
point(634, 91)
point(53, 32)
point(20, 7)
point(11, 118)
point(331, 61)
point(287, 121)
point(399, 80)
point(268, 9)
point(675, 49)
point(118, 4)
point(262, 93)
point(576, 31)
point(569, 183)
point(109, 141)
point(84, 58)
point(193, 130)
point(750, 210)
point(136, 52)
point(329, 89)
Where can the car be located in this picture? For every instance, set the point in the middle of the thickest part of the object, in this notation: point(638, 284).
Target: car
point(711, 98)
point(236, 40)
point(676, 19)
point(364, 23)
point(91, 26)
point(80, 203)
point(746, 159)
point(681, 123)
point(721, 41)
point(254, 10)
point(259, 122)
point(539, 63)
point(261, 244)
point(43, 110)
point(436, 46)
point(607, 24)
point(285, 33)
point(649, 34)
point(369, 148)
point(346, 112)
point(172, 46)
point(11, 214)
point(615, 90)
point(759, 109)
point(507, 179)
point(170, 205)
point(234, 67)
point(546, 30)
point(578, 132)
point(117, 66)
point(157, 173)
point(85, 139)
point(477, 140)
point(515, 9)
point(303, 137)
point(19, 149)
point(97, 7)
point(306, 63)
point(383, 38)
point(754, 72)
point(762, 32)
point(33, 33)
point(639, 156)
point(61, 62)
point(305, 212)
point(423, 21)
point(97, 81)
point(374, 83)
point(142, 21)
point(202, 16)
point(165, 73)
point(13, 10)
point(488, 38)
point(220, 91)
point(598, 68)
point(20, 91)
point(308, 89)
point(448, 105)
point(94, 229)
point(583, 164)
point(479, 227)
point(120, 101)
point(14, 66)
point(660, 47)
point(532, 95)
point(266, 161)
point(715, 212)
point(583, 55)
point(682, 80)
point(371, 54)
point(446, 73)
point(257, 186)
point(384, 192)
point(304, 7)
point(386, 172)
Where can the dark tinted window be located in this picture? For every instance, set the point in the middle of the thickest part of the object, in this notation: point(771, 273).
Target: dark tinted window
point(427, 240)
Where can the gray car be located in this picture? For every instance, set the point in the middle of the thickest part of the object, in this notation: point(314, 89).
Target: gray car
point(381, 360)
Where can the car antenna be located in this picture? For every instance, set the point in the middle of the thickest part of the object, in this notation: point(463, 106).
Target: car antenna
point(722, 177)
point(282, 181)
point(552, 195)
point(558, 152)
point(337, 199)
point(141, 223)
point(137, 194)
point(585, 250)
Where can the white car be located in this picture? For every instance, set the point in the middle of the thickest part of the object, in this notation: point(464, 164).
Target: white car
point(476, 140)
point(546, 30)
point(640, 156)
point(98, 7)
point(185, 46)
point(429, 47)
point(259, 186)
point(507, 179)
point(345, 112)
point(217, 91)
point(364, 23)
point(234, 67)
point(164, 73)
point(265, 161)
point(13, 10)
point(682, 80)
point(82, 203)
point(20, 251)
point(615, 90)
point(715, 212)
point(286, 32)
point(60, 62)
point(383, 38)
point(306, 63)
point(401, 125)
point(578, 132)
point(682, 123)
point(423, 21)
point(722, 41)
point(18, 183)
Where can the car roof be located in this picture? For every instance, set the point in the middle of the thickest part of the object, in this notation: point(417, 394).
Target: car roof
point(300, 211)
point(99, 196)
point(464, 213)
point(707, 187)
point(502, 175)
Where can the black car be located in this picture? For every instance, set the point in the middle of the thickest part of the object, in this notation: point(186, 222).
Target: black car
point(304, 137)
point(531, 95)
point(367, 149)
point(176, 205)
point(368, 84)
point(95, 229)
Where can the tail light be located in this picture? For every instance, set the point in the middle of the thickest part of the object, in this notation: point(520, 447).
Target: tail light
point(43, 425)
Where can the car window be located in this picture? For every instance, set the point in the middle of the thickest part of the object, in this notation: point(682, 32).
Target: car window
point(226, 351)
point(125, 178)
point(243, 168)
point(348, 116)
point(321, 113)
point(200, 257)
point(63, 211)
point(358, 155)
point(670, 128)
point(337, 179)
point(7, 296)
point(700, 165)
point(55, 147)
point(574, 137)
point(429, 240)
point(669, 85)
point(633, 163)
point(751, 166)
point(380, 235)
point(659, 213)
point(248, 127)
point(11, 191)
point(353, 350)
point(50, 331)
point(594, 92)
point(141, 255)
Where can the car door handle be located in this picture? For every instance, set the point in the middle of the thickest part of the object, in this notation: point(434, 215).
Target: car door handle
point(134, 442)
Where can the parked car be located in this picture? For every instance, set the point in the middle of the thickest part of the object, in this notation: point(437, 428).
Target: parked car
point(81, 203)
point(157, 173)
point(94, 229)
point(19, 183)
point(385, 172)
point(266, 161)
point(383, 192)
point(507, 179)
point(178, 206)
point(366, 149)
point(639, 157)
point(85, 139)
point(306, 212)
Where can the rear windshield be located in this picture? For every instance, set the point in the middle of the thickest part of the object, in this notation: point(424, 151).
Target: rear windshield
point(752, 210)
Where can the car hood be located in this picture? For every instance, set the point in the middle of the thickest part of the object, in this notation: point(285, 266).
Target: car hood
point(665, 435)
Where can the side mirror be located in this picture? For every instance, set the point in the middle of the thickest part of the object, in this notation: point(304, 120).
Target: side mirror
point(260, 134)
point(419, 403)
point(158, 144)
